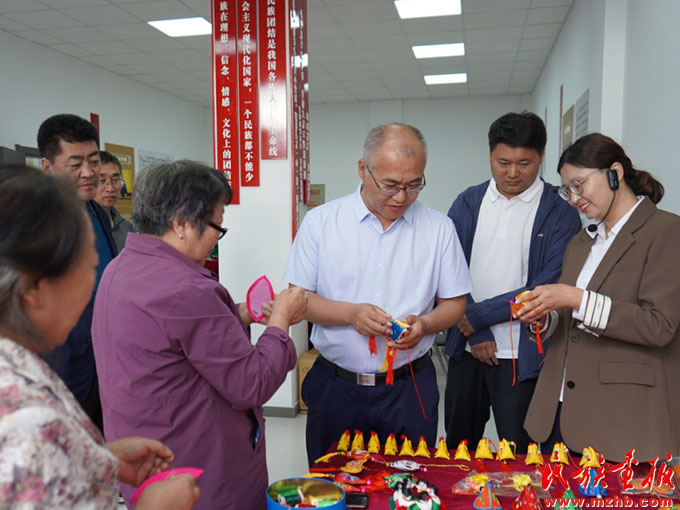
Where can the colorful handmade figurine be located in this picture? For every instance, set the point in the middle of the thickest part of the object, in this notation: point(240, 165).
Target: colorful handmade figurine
point(406, 447)
point(570, 497)
point(374, 443)
point(391, 445)
point(413, 494)
point(462, 452)
point(483, 450)
point(560, 454)
point(592, 489)
point(486, 500)
point(505, 451)
point(527, 500)
point(343, 444)
point(422, 450)
point(520, 480)
point(358, 441)
point(533, 455)
point(515, 307)
point(442, 450)
point(590, 458)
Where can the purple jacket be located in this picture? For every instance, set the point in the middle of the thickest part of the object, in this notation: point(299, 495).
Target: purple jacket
point(175, 363)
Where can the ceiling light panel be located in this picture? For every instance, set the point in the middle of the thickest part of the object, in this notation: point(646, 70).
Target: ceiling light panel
point(427, 8)
point(182, 27)
point(439, 50)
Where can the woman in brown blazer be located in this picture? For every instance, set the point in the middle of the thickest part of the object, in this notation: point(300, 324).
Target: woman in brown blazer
point(612, 371)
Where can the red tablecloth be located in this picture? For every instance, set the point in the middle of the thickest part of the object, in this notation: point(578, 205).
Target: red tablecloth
point(443, 474)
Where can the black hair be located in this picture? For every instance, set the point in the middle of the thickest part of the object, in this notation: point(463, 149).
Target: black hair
point(524, 129)
point(106, 157)
point(184, 190)
point(596, 150)
point(67, 127)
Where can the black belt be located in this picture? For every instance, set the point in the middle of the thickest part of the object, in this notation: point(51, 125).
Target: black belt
point(379, 378)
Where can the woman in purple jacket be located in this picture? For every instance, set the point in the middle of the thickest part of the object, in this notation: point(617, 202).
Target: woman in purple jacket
point(173, 351)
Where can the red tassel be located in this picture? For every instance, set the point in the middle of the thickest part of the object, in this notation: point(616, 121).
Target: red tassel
point(505, 467)
point(389, 379)
point(512, 351)
point(538, 337)
point(480, 467)
point(371, 346)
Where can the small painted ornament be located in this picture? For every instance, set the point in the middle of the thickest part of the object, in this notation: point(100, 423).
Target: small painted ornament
point(590, 458)
point(486, 500)
point(560, 454)
point(374, 443)
point(358, 441)
point(423, 450)
point(527, 500)
point(533, 457)
point(406, 447)
point(462, 452)
point(343, 444)
point(506, 450)
point(594, 488)
point(391, 447)
point(442, 451)
point(570, 498)
point(483, 450)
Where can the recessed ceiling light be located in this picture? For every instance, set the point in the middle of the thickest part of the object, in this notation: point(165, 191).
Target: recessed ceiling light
point(437, 79)
point(439, 50)
point(182, 27)
point(427, 8)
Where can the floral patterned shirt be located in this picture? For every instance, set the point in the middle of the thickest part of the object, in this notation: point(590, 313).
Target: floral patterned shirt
point(51, 454)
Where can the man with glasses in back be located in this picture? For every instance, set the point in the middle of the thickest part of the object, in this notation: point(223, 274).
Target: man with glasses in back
point(365, 258)
point(69, 147)
point(108, 193)
point(514, 229)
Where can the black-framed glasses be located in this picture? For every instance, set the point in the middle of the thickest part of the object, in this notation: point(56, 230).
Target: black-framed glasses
point(390, 191)
point(575, 186)
point(221, 230)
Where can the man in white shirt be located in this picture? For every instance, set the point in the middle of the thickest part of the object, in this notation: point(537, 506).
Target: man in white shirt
point(367, 257)
point(514, 229)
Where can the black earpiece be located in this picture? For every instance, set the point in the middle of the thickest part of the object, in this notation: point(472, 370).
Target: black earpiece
point(613, 179)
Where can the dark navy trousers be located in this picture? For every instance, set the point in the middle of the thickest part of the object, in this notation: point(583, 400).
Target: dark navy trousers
point(336, 404)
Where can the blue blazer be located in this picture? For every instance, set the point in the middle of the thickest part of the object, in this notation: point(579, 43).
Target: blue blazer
point(555, 224)
point(74, 360)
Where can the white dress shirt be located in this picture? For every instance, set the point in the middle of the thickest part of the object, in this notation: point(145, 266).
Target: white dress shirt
point(342, 253)
point(499, 261)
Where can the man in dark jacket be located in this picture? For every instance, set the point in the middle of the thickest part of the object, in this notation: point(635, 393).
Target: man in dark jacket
point(69, 146)
point(513, 229)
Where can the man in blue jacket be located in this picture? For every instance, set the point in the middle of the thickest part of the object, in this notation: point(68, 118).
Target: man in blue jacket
point(513, 229)
point(69, 146)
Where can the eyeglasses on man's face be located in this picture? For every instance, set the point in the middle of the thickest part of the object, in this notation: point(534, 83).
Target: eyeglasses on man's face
point(221, 230)
point(575, 186)
point(390, 191)
point(113, 181)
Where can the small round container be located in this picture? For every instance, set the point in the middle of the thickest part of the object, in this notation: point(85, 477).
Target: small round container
point(286, 493)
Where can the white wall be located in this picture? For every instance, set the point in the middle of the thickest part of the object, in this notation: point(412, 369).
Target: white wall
point(575, 63)
point(38, 82)
point(651, 105)
point(455, 130)
point(625, 53)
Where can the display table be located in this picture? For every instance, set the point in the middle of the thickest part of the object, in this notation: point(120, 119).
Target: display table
point(444, 474)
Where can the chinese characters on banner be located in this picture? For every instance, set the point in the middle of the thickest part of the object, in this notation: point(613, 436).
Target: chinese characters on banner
point(225, 101)
point(299, 98)
point(247, 93)
point(273, 57)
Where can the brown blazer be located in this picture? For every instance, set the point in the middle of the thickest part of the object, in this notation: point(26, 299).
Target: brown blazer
point(622, 388)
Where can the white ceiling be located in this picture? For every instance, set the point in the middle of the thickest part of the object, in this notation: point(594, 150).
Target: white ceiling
point(359, 50)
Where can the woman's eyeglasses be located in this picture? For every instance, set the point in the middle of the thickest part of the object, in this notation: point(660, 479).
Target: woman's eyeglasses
point(221, 230)
point(574, 186)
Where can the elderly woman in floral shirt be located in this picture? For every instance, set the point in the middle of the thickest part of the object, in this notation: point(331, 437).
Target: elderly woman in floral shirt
point(51, 455)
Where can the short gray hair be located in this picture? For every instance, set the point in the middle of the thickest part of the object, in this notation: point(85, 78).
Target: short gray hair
point(183, 190)
point(376, 138)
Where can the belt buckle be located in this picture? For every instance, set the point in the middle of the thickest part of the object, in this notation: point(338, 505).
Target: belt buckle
point(366, 379)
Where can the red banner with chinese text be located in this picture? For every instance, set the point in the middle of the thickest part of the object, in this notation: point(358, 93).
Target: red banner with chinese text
point(273, 65)
point(248, 93)
point(225, 95)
